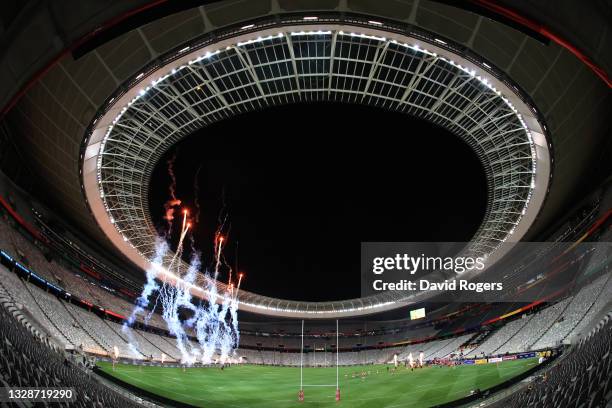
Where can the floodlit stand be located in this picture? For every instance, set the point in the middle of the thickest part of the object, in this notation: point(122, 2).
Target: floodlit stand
point(302, 385)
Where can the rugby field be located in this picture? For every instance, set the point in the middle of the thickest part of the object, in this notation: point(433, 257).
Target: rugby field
point(277, 387)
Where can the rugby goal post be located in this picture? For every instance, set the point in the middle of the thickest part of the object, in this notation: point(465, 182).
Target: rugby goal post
point(336, 385)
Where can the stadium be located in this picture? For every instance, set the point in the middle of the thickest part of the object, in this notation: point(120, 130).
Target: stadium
point(323, 203)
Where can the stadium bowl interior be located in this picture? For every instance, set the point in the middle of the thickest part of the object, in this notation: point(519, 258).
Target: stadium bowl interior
point(96, 97)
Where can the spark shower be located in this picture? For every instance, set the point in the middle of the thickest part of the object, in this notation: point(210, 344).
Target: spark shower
point(213, 321)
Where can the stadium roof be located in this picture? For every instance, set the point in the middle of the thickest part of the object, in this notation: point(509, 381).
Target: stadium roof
point(500, 89)
point(292, 60)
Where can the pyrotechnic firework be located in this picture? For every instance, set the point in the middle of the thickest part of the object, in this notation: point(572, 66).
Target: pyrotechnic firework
point(214, 322)
point(172, 203)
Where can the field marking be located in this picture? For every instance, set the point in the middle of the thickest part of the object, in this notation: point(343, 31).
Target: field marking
point(408, 403)
point(406, 373)
point(190, 397)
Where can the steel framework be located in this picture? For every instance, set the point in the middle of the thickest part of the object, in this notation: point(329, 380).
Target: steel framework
point(258, 67)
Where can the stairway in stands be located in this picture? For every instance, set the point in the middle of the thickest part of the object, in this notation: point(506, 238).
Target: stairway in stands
point(42, 309)
point(141, 336)
point(476, 339)
point(122, 337)
point(526, 320)
point(550, 325)
point(170, 340)
point(479, 338)
point(85, 328)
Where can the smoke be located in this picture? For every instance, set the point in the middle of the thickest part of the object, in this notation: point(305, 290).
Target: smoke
point(196, 194)
point(171, 205)
point(172, 186)
point(169, 208)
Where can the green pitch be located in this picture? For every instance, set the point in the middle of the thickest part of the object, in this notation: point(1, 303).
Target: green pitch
point(277, 387)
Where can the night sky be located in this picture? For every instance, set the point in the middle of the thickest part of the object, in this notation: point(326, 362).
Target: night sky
point(303, 185)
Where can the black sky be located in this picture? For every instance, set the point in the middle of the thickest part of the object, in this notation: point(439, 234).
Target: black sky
point(304, 185)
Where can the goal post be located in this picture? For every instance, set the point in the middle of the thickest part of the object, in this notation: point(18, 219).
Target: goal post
point(337, 362)
point(337, 384)
point(302, 363)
